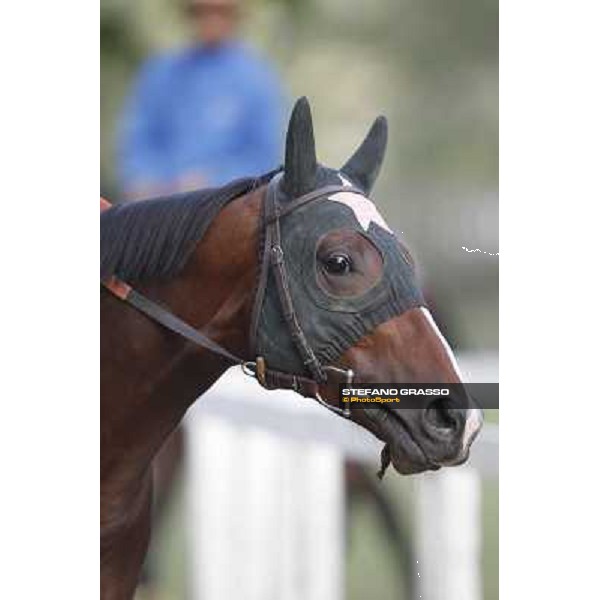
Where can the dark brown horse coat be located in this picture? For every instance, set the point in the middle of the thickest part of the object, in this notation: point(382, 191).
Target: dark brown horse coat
point(150, 377)
point(197, 255)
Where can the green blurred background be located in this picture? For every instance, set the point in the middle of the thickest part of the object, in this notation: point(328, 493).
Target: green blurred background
point(431, 66)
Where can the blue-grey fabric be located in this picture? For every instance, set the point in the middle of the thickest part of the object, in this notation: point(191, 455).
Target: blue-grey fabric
point(331, 324)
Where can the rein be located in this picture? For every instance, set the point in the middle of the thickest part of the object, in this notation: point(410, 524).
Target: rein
point(272, 258)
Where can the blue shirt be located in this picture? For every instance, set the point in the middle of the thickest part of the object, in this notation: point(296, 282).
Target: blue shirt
point(212, 111)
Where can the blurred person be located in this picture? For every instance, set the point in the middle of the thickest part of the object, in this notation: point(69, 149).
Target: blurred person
point(203, 115)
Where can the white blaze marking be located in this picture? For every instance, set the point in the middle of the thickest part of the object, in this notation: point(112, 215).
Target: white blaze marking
point(474, 417)
point(443, 340)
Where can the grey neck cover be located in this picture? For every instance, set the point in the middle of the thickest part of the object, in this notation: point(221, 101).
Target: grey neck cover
point(331, 324)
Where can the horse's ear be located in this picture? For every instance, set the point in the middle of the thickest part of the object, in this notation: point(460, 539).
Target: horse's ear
point(300, 169)
point(363, 166)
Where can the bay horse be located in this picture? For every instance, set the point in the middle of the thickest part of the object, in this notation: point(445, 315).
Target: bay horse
point(294, 275)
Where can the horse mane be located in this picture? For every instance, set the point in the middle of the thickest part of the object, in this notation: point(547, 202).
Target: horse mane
point(153, 239)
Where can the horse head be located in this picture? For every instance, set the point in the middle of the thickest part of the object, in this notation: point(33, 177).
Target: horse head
point(355, 294)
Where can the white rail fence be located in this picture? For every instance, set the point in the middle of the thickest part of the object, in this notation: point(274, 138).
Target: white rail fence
point(266, 500)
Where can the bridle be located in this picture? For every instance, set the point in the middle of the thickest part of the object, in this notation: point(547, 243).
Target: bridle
point(272, 258)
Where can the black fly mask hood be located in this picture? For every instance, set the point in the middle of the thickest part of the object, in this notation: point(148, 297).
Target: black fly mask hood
point(331, 322)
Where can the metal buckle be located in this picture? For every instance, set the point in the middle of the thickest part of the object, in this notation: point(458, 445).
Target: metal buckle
point(257, 370)
point(249, 368)
point(349, 377)
point(261, 370)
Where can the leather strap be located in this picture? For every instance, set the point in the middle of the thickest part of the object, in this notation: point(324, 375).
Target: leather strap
point(263, 276)
point(327, 190)
point(268, 378)
point(157, 313)
point(307, 354)
point(272, 256)
point(168, 319)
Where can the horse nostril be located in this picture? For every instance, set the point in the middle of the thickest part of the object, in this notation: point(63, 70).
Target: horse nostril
point(440, 415)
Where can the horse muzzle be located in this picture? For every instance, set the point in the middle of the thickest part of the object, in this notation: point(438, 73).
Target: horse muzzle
point(420, 439)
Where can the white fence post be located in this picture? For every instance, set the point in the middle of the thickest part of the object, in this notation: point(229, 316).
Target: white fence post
point(448, 535)
point(267, 515)
point(266, 498)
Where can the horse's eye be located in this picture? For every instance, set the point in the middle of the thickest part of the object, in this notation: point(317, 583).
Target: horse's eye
point(338, 264)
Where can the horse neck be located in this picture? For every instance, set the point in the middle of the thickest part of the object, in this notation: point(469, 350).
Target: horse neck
point(150, 376)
